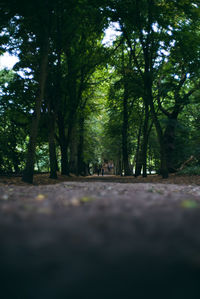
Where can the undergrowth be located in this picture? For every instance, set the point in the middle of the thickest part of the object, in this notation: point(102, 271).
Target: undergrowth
point(190, 170)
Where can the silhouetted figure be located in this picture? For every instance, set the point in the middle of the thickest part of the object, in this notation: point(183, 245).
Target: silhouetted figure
point(102, 171)
point(98, 170)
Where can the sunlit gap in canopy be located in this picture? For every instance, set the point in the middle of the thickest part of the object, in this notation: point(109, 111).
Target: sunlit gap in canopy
point(111, 33)
point(8, 61)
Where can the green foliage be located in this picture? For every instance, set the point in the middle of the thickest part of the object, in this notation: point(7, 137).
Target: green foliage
point(190, 170)
point(42, 160)
point(14, 118)
point(189, 204)
point(95, 117)
point(87, 82)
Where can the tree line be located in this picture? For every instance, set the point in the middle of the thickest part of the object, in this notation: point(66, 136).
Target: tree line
point(71, 101)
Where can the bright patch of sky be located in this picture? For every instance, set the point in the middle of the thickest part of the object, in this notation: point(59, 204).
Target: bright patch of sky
point(195, 5)
point(8, 61)
point(111, 33)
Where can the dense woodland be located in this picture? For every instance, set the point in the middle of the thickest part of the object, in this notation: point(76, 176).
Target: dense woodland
point(72, 102)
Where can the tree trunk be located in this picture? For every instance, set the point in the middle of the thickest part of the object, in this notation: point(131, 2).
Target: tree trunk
point(138, 165)
point(127, 170)
point(16, 162)
point(30, 161)
point(73, 151)
point(52, 147)
point(163, 162)
point(145, 142)
point(125, 161)
point(63, 145)
point(138, 159)
point(148, 52)
point(13, 145)
point(118, 166)
point(169, 138)
point(149, 101)
point(64, 158)
point(81, 164)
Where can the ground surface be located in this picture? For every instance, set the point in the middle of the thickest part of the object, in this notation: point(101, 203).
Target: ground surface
point(100, 237)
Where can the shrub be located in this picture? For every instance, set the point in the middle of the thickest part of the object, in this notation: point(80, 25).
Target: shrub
point(190, 170)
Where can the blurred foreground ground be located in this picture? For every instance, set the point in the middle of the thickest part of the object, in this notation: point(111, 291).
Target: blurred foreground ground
point(100, 237)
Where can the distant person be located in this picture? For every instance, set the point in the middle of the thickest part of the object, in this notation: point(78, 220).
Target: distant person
point(98, 170)
point(102, 171)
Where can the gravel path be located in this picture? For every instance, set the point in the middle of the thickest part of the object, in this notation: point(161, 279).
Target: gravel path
point(100, 240)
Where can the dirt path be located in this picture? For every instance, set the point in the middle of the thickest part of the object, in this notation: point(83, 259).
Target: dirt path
point(100, 239)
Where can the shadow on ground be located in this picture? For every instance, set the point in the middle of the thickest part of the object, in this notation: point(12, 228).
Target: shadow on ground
point(98, 238)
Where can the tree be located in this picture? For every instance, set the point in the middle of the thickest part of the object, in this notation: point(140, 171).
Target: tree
point(15, 117)
point(151, 76)
point(146, 26)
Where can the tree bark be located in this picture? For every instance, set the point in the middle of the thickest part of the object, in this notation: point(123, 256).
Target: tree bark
point(80, 163)
point(148, 51)
point(138, 165)
point(138, 159)
point(30, 161)
point(73, 151)
point(125, 161)
point(14, 153)
point(148, 99)
point(52, 147)
point(163, 162)
point(63, 145)
point(127, 170)
point(169, 139)
point(145, 142)
point(118, 165)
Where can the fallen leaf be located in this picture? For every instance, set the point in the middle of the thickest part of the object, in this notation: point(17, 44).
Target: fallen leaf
point(85, 199)
point(189, 204)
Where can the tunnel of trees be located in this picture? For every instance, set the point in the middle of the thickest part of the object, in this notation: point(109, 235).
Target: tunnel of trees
point(72, 101)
